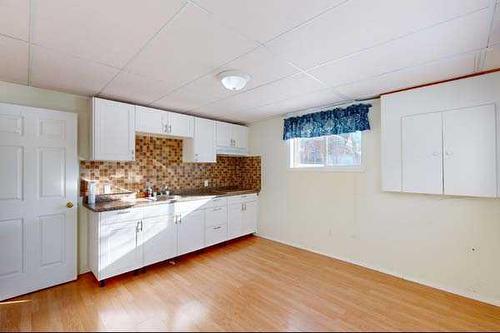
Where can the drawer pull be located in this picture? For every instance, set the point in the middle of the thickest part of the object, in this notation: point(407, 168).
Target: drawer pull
point(216, 228)
point(216, 209)
point(123, 212)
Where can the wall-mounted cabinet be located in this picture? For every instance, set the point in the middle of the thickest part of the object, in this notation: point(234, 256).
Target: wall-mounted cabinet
point(112, 131)
point(443, 139)
point(201, 148)
point(114, 125)
point(152, 121)
point(232, 139)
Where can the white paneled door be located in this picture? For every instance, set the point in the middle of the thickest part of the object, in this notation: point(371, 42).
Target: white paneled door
point(38, 193)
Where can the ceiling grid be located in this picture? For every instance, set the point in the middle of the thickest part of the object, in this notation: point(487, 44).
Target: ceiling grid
point(299, 54)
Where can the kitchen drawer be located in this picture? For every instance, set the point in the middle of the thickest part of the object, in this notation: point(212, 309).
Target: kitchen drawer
point(216, 202)
point(242, 198)
point(215, 216)
point(121, 215)
point(185, 207)
point(215, 234)
point(158, 210)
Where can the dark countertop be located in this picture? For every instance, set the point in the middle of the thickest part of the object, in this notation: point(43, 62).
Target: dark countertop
point(180, 196)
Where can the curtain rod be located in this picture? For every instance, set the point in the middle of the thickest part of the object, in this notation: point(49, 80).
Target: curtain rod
point(326, 107)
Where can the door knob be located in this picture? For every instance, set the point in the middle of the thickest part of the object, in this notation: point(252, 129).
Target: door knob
point(69, 204)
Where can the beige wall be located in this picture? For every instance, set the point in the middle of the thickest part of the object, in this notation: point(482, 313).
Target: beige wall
point(428, 239)
point(47, 99)
point(53, 100)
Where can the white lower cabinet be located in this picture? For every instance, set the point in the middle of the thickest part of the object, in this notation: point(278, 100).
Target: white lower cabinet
point(215, 225)
point(159, 239)
point(249, 220)
point(235, 220)
point(242, 216)
point(125, 240)
point(119, 249)
point(191, 231)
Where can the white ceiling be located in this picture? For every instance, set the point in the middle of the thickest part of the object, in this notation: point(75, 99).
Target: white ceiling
point(300, 53)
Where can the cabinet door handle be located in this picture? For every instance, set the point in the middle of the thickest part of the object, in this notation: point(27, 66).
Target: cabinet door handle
point(142, 225)
point(169, 128)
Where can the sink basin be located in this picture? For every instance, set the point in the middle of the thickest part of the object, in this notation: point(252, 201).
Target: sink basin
point(165, 198)
point(162, 198)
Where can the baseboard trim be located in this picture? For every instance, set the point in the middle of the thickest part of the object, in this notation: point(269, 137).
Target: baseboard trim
point(459, 292)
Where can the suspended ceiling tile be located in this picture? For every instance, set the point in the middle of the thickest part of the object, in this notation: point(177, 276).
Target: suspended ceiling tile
point(110, 32)
point(428, 73)
point(192, 46)
point(135, 88)
point(451, 38)
point(358, 24)
point(14, 18)
point(13, 60)
point(276, 91)
point(62, 72)
point(492, 57)
point(265, 20)
point(262, 65)
point(314, 99)
point(495, 29)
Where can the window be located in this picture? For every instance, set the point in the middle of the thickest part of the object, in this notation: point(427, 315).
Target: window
point(335, 152)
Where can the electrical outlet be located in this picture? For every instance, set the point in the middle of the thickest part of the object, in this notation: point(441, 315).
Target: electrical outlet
point(205, 183)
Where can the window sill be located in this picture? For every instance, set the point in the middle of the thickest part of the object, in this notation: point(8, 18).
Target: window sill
point(329, 169)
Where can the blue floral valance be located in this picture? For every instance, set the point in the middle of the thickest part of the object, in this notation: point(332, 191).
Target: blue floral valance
point(336, 121)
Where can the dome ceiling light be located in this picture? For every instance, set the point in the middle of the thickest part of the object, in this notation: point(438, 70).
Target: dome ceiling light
point(233, 80)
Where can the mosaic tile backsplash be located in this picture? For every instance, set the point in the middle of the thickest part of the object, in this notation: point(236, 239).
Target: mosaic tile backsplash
point(159, 163)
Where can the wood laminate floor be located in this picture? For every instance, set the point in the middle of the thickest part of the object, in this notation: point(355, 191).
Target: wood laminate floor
point(248, 284)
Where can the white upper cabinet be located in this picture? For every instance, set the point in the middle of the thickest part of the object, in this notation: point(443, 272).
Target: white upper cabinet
point(224, 134)
point(152, 121)
point(470, 151)
point(112, 131)
point(114, 125)
point(201, 148)
point(422, 154)
point(240, 134)
point(232, 139)
point(148, 120)
point(443, 139)
point(180, 125)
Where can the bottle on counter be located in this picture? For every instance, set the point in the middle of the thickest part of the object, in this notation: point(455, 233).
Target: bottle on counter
point(92, 192)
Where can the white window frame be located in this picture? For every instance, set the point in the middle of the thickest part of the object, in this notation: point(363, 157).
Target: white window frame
point(344, 168)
